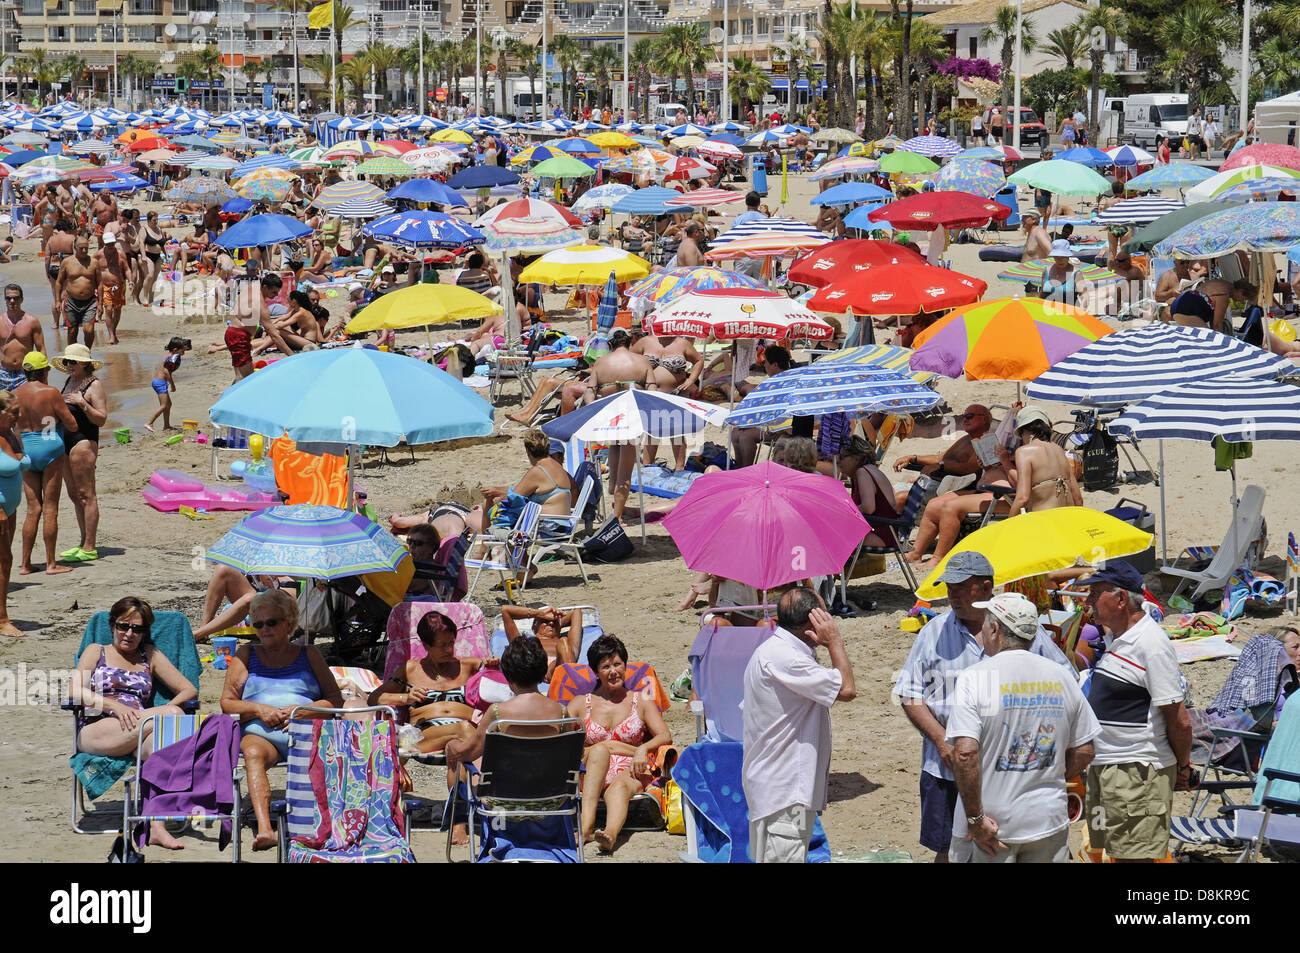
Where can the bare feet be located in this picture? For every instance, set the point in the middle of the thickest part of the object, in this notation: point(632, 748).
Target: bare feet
point(459, 834)
point(692, 597)
point(520, 418)
point(264, 840)
point(149, 427)
point(159, 836)
point(10, 631)
point(603, 842)
point(57, 570)
point(914, 557)
point(26, 570)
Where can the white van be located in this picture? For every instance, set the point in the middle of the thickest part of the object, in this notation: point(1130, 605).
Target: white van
point(1151, 118)
point(666, 113)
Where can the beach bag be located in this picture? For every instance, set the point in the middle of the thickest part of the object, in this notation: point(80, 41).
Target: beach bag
point(505, 512)
point(609, 544)
point(486, 686)
point(673, 799)
point(1100, 461)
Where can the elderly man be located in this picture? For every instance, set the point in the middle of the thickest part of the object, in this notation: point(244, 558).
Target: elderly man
point(1020, 727)
point(949, 644)
point(1037, 242)
point(688, 252)
point(1144, 748)
point(961, 459)
point(787, 708)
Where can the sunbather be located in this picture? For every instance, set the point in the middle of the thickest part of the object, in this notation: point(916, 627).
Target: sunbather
point(229, 585)
point(1042, 476)
point(559, 632)
point(544, 482)
point(449, 519)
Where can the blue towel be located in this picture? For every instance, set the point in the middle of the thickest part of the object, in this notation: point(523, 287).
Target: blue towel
point(1282, 753)
point(527, 839)
point(709, 775)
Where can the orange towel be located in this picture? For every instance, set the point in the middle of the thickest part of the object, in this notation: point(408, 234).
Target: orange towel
point(308, 478)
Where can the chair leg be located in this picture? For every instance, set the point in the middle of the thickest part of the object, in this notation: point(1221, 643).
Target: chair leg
point(577, 554)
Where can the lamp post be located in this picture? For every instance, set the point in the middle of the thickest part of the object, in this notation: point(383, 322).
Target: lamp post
point(546, 73)
point(1245, 70)
point(726, 64)
point(420, 26)
point(627, 79)
point(1020, 27)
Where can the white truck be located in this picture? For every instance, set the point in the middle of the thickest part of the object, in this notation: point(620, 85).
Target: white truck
point(1151, 118)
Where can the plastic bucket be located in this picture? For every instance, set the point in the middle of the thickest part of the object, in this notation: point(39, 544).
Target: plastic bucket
point(224, 646)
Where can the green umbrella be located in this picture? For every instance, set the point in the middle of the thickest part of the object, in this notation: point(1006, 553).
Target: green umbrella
point(385, 165)
point(1146, 238)
point(1061, 177)
point(562, 167)
point(908, 163)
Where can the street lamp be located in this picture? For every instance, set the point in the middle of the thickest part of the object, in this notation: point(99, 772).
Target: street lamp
point(1020, 40)
point(1094, 120)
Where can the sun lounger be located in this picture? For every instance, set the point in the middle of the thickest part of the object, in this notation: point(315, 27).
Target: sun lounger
point(1237, 550)
point(591, 631)
point(656, 480)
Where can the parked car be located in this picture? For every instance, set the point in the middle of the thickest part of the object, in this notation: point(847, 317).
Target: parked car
point(1032, 130)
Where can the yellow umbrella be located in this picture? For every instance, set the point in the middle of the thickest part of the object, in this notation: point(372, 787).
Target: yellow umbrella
point(451, 135)
point(1035, 543)
point(585, 265)
point(687, 142)
point(422, 305)
point(612, 140)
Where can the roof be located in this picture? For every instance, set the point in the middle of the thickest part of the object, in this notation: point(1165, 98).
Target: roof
point(982, 12)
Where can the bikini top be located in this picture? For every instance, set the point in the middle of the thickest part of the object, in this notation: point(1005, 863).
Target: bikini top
point(630, 731)
point(133, 689)
point(454, 696)
point(537, 496)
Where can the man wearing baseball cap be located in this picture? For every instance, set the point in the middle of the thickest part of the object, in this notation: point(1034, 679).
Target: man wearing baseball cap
point(1020, 727)
point(1144, 749)
point(949, 644)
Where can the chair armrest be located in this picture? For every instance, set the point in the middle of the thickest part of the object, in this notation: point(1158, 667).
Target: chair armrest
point(1241, 733)
point(1277, 774)
point(75, 707)
point(997, 491)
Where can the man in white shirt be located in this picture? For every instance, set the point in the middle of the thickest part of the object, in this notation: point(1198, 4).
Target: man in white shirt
point(1144, 748)
point(787, 709)
point(1020, 727)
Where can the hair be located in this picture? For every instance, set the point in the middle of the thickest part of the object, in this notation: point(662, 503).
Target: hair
point(1117, 188)
point(6, 398)
point(300, 299)
point(272, 280)
point(692, 228)
point(775, 354)
point(795, 606)
point(751, 200)
point(128, 604)
point(424, 529)
point(797, 453)
point(524, 662)
point(618, 339)
point(425, 631)
point(151, 216)
point(1242, 286)
point(1135, 600)
point(1036, 428)
point(14, 286)
point(605, 647)
point(475, 260)
point(1280, 632)
point(280, 601)
point(179, 343)
point(1010, 639)
point(35, 374)
point(537, 444)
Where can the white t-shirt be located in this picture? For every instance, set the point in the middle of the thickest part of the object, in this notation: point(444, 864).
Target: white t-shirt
point(1025, 712)
point(1137, 675)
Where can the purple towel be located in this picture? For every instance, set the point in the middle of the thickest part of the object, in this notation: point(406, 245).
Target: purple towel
point(193, 776)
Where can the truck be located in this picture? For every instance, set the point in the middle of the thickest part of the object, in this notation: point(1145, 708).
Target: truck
point(1151, 118)
point(1032, 131)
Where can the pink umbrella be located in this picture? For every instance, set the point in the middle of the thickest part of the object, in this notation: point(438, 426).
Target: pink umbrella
point(1263, 153)
point(766, 525)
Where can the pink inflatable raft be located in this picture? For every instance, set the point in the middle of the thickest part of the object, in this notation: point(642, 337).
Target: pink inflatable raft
point(169, 490)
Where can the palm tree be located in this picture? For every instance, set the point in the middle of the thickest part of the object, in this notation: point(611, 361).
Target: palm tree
point(683, 47)
point(798, 56)
point(748, 83)
point(251, 70)
point(1278, 63)
point(323, 63)
point(73, 68)
point(22, 68)
point(41, 70)
point(840, 33)
point(928, 45)
point(455, 58)
point(292, 7)
point(1003, 30)
point(343, 18)
point(379, 58)
point(600, 65)
point(529, 56)
point(642, 60)
point(1109, 20)
point(875, 45)
point(209, 62)
point(903, 104)
point(1193, 29)
point(568, 54)
point(356, 71)
point(1069, 44)
point(189, 71)
point(130, 67)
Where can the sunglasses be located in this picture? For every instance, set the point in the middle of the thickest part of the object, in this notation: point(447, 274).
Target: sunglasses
point(970, 416)
point(13, 300)
point(262, 623)
point(132, 627)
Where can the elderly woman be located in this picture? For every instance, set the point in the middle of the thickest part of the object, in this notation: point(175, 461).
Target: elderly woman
point(263, 685)
point(116, 684)
point(545, 482)
point(84, 394)
point(623, 729)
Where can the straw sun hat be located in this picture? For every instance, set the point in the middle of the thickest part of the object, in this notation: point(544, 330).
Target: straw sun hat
point(78, 353)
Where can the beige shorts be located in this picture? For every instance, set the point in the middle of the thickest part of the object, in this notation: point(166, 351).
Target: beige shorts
point(1128, 809)
point(1053, 849)
point(783, 837)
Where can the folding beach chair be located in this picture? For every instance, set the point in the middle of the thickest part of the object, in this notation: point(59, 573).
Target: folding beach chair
point(718, 658)
point(95, 774)
point(404, 644)
point(513, 364)
point(567, 542)
point(1292, 575)
point(446, 573)
point(509, 556)
point(1239, 548)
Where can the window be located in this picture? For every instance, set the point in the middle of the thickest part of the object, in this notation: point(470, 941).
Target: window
point(83, 8)
point(85, 34)
point(974, 47)
point(1154, 115)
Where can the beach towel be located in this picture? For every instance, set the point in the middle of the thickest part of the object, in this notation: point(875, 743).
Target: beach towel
point(344, 795)
point(528, 839)
point(570, 681)
point(659, 481)
point(1204, 650)
point(1244, 586)
point(308, 478)
point(1282, 754)
point(1209, 748)
point(1253, 680)
point(1200, 625)
point(193, 777)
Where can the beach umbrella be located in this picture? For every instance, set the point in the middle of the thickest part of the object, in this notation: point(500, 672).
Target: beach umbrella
point(670, 284)
point(264, 189)
point(275, 162)
point(1129, 156)
point(612, 140)
point(601, 197)
point(1238, 409)
point(1175, 175)
point(931, 146)
point(776, 511)
point(687, 167)
point(341, 192)
point(430, 158)
point(650, 201)
point(821, 388)
point(362, 208)
point(577, 147)
point(606, 315)
point(849, 193)
point(859, 218)
point(1258, 189)
point(213, 164)
point(420, 306)
point(281, 176)
point(1086, 155)
point(354, 395)
point(259, 231)
point(727, 138)
point(201, 188)
point(1128, 365)
point(631, 415)
point(991, 153)
point(90, 147)
point(783, 227)
point(529, 236)
point(535, 154)
point(931, 210)
point(1263, 153)
point(704, 198)
point(1258, 226)
point(119, 184)
point(562, 167)
point(842, 259)
point(308, 541)
point(712, 149)
point(420, 229)
point(161, 156)
point(427, 190)
point(907, 163)
point(971, 176)
point(585, 265)
point(385, 165)
point(767, 137)
point(732, 127)
point(898, 289)
point(728, 314)
point(641, 162)
point(1023, 271)
point(237, 206)
point(529, 208)
point(769, 242)
point(1044, 541)
point(1147, 237)
point(481, 177)
point(1223, 181)
point(885, 356)
point(350, 148)
point(1138, 211)
point(1061, 177)
point(451, 135)
point(21, 157)
point(187, 157)
point(689, 129)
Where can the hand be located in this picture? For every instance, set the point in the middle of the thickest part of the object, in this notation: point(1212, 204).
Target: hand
point(129, 718)
point(640, 761)
point(825, 629)
point(1188, 779)
point(946, 753)
point(902, 462)
point(985, 836)
point(491, 662)
point(417, 696)
point(270, 716)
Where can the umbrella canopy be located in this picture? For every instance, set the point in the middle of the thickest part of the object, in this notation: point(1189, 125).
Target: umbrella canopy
point(308, 541)
point(1263, 153)
point(629, 416)
point(849, 193)
point(1245, 175)
point(427, 190)
point(385, 165)
point(885, 356)
point(727, 314)
point(349, 147)
point(823, 388)
point(1035, 543)
point(355, 395)
point(907, 163)
point(1175, 175)
point(201, 188)
point(612, 140)
point(1086, 155)
point(770, 236)
point(576, 147)
point(419, 229)
point(529, 208)
point(362, 208)
point(973, 176)
point(531, 236)
point(1129, 156)
point(712, 149)
point(258, 231)
point(480, 176)
point(264, 189)
point(704, 198)
point(341, 192)
point(931, 210)
point(1023, 271)
point(776, 511)
point(1139, 211)
point(1061, 177)
point(535, 154)
point(602, 196)
point(843, 168)
point(668, 285)
point(451, 135)
point(839, 260)
point(1259, 226)
point(1007, 339)
point(432, 158)
point(1151, 235)
point(421, 305)
point(649, 201)
point(898, 289)
point(213, 164)
point(1131, 364)
point(585, 265)
point(1258, 189)
point(931, 146)
point(1238, 409)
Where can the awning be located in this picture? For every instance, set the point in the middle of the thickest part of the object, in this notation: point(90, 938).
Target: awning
point(783, 82)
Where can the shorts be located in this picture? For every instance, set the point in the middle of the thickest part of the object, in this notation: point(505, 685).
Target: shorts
point(1128, 809)
point(451, 508)
point(114, 297)
point(938, 805)
point(1052, 849)
point(159, 386)
point(240, 343)
point(1119, 231)
point(43, 447)
point(12, 380)
point(783, 837)
point(77, 312)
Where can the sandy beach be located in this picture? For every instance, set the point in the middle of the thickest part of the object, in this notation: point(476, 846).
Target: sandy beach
point(875, 767)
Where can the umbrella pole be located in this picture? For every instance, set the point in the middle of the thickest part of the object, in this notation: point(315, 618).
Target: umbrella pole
point(1164, 529)
point(636, 447)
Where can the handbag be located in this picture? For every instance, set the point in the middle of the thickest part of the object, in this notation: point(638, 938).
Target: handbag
point(609, 544)
point(486, 686)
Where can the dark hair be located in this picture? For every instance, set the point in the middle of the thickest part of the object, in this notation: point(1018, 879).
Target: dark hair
point(1036, 428)
point(271, 280)
point(751, 199)
point(775, 354)
point(618, 339)
point(794, 608)
point(425, 631)
point(300, 298)
point(178, 343)
point(603, 648)
point(475, 260)
point(524, 661)
point(14, 286)
point(128, 604)
point(424, 529)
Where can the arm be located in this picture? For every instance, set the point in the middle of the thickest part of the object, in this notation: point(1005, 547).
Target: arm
point(656, 727)
point(171, 677)
point(459, 752)
point(1178, 729)
point(826, 631)
point(967, 771)
point(38, 335)
point(509, 614)
point(1023, 481)
point(1078, 759)
point(398, 692)
point(697, 368)
point(923, 720)
point(59, 406)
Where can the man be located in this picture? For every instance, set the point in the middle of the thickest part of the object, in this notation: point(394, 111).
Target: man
point(41, 409)
point(1170, 283)
point(1038, 244)
point(251, 311)
point(77, 287)
point(62, 244)
point(948, 645)
point(960, 459)
point(751, 213)
point(688, 252)
point(18, 325)
point(787, 718)
point(1020, 727)
point(1144, 750)
point(1194, 140)
point(114, 278)
point(745, 440)
point(611, 373)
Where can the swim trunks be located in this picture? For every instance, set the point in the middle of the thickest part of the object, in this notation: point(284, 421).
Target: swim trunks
point(12, 380)
point(240, 343)
point(43, 447)
point(159, 385)
point(77, 312)
point(113, 297)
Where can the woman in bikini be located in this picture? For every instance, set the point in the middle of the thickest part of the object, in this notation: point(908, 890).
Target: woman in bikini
point(544, 482)
point(86, 399)
point(153, 241)
point(559, 632)
point(1042, 476)
point(623, 729)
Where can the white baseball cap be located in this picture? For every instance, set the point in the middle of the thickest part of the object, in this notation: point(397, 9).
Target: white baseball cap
point(388, 270)
point(356, 286)
point(1015, 612)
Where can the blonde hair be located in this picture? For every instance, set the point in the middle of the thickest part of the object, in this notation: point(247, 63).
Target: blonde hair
point(6, 398)
point(278, 600)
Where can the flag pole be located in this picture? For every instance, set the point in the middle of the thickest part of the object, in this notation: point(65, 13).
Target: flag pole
point(334, 70)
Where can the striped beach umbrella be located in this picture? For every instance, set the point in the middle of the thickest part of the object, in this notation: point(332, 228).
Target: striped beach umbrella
point(665, 286)
point(705, 198)
point(844, 168)
point(535, 154)
point(887, 356)
point(1128, 156)
point(606, 315)
point(528, 208)
point(1238, 409)
point(1138, 211)
point(308, 541)
point(1023, 271)
point(341, 192)
point(649, 201)
point(931, 146)
point(385, 165)
point(350, 149)
point(362, 208)
point(729, 314)
point(1212, 187)
point(214, 164)
point(823, 388)
point(419, 229)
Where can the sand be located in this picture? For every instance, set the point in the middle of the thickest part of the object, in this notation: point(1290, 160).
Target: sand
point(876, 762)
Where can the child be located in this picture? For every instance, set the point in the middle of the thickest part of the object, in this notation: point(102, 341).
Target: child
point(164, 382)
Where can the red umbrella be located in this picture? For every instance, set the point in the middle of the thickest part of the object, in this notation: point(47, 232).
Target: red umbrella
point(530, 208)
point(841, 260)
point(898, 289)
point(930, 210)
point(147, 143)
point(400, 146)
point(91, 176)
point(1264, 153)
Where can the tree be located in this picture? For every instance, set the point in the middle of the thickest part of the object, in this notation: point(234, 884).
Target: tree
point(22, 68)
point(356, 71)
point(903, 60)
point(1278, 64)
point(189, 71)
point(1110, 21)
point(529, 56)
point(929, 48)
point(1192, 30)
point(323, 63)
point(839, 33)
point(748, 83)
point(1069, 44)
point(683, 47)
point(73, 69)
point(1050, 89)
point(642, 61)
point(600, 65)
point(568, 54)
point(250, 71)
point(798, 57)
point(209, 62)
point(1003, 31)
point(875, 48)
point(379, 58)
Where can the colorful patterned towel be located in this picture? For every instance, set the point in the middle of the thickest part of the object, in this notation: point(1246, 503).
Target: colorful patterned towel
point(1247, 586)
point(1200, 625)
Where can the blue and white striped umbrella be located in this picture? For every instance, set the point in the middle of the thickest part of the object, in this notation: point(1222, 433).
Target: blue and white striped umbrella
point(1235, 408)
point(931, 146)
point(227, 121)
point(606, 315)
point(589, 126)
point(1175, 175)
point(852, 193)
point(1138, 211)
point(1134, 363)
point(276, 160)
point(767, 137)
point(602, 196)
point(757, 229)
point(831, 388)
point(362, 208)
point(420, 123)
point(36, 125)
point(185, 128)
point(649, 201)
point(188, 157)
point(632, 414)
point(418, 229)
point(689, 129)
point(726, 127)
point(89, 147)
point(792, 129)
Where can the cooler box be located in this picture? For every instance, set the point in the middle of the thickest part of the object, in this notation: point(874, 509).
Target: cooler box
point(1138, 515)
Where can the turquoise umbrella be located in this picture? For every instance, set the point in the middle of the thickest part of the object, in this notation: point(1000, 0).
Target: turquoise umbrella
point(1258, 227)
point(1061, 177)
point(308, 541)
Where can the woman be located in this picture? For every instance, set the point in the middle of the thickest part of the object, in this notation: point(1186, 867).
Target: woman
point(545, 482)
point(84, 394)
point(1043, 476)
point(153, 242)
point(12, 464)
point(1058, 277)
point(871, 490)
point(623, 729)
point(263, 685)
point(560, 633)
point(116, 684)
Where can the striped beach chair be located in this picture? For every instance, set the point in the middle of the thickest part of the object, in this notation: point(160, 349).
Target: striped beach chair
point(509, 555)
point(1292, 575)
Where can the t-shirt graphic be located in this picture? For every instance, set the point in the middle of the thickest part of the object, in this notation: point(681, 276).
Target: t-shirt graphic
point(1031, 750)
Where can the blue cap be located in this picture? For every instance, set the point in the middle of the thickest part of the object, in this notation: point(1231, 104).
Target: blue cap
point(966, 565)
point(1118, 573)
point(557, 446)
